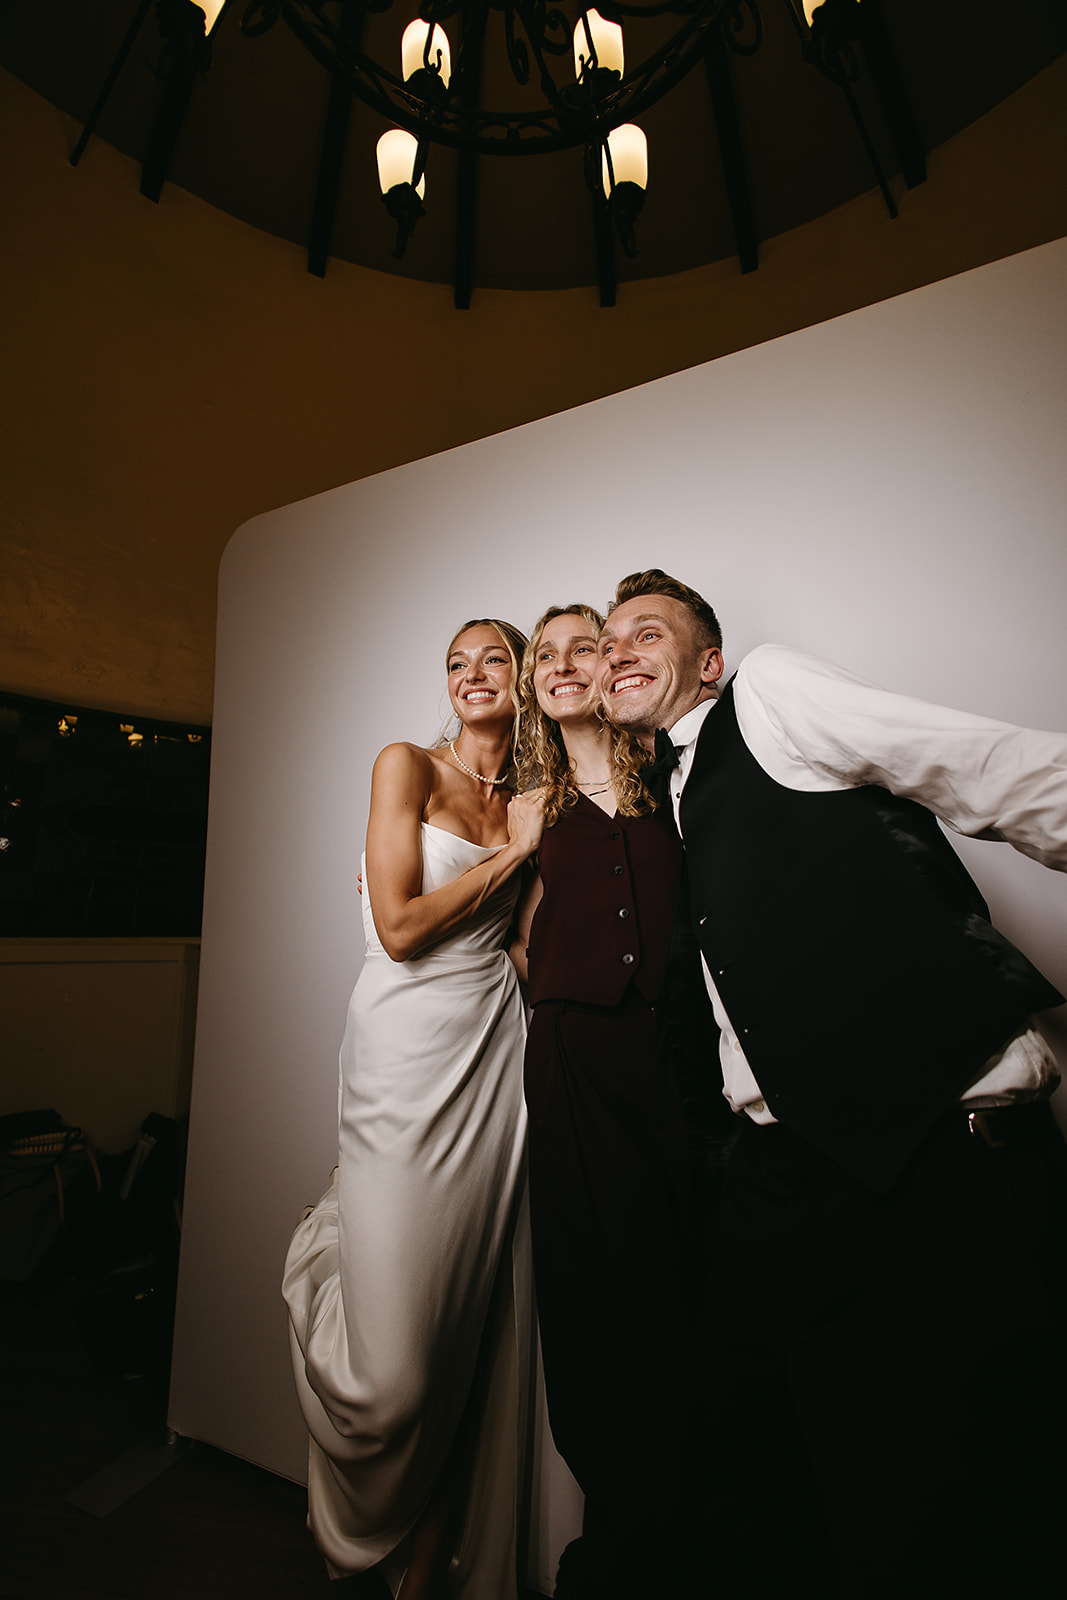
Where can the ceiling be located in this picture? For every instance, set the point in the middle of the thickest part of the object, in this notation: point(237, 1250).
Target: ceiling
point(251, 140)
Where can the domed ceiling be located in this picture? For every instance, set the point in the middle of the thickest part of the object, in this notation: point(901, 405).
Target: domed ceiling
point(252, 138)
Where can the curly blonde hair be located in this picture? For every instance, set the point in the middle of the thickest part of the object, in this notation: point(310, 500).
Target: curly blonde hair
point(540, 754)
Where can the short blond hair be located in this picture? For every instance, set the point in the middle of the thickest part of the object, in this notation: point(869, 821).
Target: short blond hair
point(653, 581)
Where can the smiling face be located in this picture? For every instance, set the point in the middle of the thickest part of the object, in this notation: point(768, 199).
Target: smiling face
point(652, 668)
point(564, 665)
point(480, 677)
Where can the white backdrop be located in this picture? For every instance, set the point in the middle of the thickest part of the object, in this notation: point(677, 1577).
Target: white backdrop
point(886, 489)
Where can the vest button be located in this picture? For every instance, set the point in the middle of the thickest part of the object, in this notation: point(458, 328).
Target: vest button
point(623, 912)
point(627, 960)
point(614, 834)
point(617, 871)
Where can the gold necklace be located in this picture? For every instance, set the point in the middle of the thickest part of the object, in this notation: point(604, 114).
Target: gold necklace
point(492, 782)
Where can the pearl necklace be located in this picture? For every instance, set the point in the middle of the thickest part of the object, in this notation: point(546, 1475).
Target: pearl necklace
point(492, 782)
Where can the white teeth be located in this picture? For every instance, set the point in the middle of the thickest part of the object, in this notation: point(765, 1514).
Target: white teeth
point(569, 688)
point(627, 683)
point(479, 694)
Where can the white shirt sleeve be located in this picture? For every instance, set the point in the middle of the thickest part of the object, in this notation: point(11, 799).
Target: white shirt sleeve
point(814, 726)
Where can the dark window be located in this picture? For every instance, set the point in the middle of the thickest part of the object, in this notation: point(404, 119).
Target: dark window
point(103, 820)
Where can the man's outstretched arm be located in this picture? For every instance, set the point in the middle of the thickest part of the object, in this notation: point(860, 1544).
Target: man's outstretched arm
point(815, 726)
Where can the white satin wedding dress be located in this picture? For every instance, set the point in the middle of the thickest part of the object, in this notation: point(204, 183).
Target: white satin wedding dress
point(408, 1285)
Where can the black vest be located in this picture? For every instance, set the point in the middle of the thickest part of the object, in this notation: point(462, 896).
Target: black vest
point(853, 952)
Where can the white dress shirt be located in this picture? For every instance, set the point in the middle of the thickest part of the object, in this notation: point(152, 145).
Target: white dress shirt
point(813, 726)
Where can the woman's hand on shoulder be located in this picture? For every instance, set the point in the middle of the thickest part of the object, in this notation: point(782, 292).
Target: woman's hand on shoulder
point(526, 820)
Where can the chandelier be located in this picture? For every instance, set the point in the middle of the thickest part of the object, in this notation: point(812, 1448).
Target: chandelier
point(575, 85)
point(586, 97)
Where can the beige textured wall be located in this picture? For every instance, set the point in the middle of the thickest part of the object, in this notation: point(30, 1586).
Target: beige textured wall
point(170, 372)
point(100, 1029)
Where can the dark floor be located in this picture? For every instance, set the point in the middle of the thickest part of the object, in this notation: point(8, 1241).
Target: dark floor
point(209, 1526)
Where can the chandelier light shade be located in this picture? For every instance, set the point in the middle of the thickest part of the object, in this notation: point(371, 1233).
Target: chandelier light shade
point(398, 152)
point(424, 48)
point(624, 179)
point(597, 43)
point(625, 158)
point(401, 175)
point(212, 10)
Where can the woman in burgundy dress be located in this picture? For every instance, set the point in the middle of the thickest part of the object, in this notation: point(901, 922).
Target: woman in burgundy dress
point(610, 1189)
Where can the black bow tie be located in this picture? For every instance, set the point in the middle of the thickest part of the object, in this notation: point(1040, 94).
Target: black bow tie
point(658, 775)
point(666, 752)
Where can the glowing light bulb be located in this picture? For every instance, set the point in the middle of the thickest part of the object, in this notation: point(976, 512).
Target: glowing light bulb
point(413, 53)
point(397, 150)
point(211, 9)
point(607, 44)
point(629, 157)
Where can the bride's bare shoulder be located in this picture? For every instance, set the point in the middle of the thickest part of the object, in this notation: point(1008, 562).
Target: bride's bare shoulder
point(403, 754)
point(404, 765)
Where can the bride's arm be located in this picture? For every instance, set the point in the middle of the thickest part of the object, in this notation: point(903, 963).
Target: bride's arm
point(407, 920)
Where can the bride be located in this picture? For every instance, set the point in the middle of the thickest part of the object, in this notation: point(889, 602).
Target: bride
point(405, 1283)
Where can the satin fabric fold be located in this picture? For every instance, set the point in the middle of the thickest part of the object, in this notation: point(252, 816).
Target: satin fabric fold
point(408, 1284)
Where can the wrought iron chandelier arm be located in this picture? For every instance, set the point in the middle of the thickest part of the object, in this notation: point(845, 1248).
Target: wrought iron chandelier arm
point(259, 17)
point(561, 124)
point(375, 85)
point(441, 11)
point(539, 23)
point(552, 29)
point(741, 21)
point(643, 86)
point(742, 27)
point(518, 55)
point(673, 8)
point(828, 40)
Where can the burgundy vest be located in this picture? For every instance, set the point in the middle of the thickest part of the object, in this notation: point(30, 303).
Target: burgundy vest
point(605, 921)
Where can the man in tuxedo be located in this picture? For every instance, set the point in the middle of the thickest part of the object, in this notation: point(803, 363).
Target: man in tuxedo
point(888, 1265)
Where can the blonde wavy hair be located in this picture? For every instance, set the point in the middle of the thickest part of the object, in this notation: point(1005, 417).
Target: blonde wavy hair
point(540, 754)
